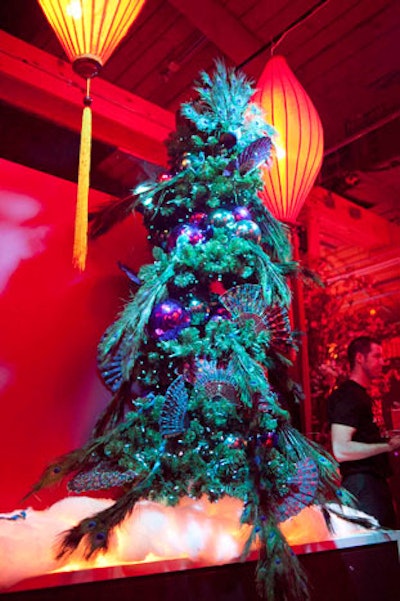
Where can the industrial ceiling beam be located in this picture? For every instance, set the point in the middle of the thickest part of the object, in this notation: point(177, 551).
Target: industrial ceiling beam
point(344, 224)
point(44, 85)
point(224, 30)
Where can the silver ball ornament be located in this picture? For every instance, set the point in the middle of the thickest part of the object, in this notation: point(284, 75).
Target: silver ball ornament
point(249, 230)
point(221, 218)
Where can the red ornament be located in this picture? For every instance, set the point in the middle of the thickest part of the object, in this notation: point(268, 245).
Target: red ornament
point(217, 287)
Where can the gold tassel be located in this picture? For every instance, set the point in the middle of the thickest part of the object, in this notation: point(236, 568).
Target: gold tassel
point(81, 216)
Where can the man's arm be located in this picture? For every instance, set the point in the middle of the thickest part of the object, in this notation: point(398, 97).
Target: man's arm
point(346, 449)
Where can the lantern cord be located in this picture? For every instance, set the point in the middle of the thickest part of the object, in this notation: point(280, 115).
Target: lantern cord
point(276, 40)
point(81, 216)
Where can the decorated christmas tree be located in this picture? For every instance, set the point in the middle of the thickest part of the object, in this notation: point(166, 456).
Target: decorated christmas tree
point(197, 361)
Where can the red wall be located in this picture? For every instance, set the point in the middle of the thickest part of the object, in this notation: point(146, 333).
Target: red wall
point(51, 319)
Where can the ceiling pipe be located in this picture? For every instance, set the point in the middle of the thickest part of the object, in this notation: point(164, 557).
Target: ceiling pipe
point(369, 299)
point(365, 270)
point(362, 133)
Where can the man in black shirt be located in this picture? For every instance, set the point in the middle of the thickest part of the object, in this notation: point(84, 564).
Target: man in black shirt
point(356, 440)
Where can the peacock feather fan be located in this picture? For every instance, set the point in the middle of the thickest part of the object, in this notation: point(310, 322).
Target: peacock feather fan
point(248, 302)
point(217, 381)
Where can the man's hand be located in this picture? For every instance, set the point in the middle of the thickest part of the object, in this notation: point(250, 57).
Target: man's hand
point(394, 442)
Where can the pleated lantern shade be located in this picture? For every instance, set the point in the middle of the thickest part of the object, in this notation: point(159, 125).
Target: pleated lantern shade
point(288, 108)
point(89, 31)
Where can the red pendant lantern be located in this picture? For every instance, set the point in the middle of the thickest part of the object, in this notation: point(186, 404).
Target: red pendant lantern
point(89, 31)
point(299, 143)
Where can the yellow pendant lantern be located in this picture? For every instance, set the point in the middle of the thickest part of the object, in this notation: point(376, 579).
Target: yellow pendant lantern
point(299, 144)
point(89, 31)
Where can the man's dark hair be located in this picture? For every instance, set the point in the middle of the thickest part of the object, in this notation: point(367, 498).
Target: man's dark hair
point(362, 345)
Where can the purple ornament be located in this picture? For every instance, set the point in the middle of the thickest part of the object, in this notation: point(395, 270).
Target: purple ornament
point(241, 213)
point(167, 319)
point(187, 233)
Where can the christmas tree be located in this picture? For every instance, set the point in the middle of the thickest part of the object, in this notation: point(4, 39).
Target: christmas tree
point(197, 361)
